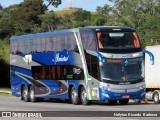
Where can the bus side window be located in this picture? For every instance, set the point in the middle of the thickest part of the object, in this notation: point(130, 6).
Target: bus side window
point(88, 40)
point(63, 42)
point(11, 49)
point(66, 42)
point(36, 72)
point(54, 41)
point(58, 72)
point(51, 41)
point(31, 44)
point(58, 44)
point(43, 73)
point(73, 43)
point(91, 42)
point(53, 72)
point(84, 40)
point(38, 45)
point(19, 50)
point(43, 45)
point(15, 47)
point(28, 46)
point(25, 46)
point(48, 44)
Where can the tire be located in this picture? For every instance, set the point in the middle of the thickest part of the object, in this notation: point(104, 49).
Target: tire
point(25, 94)
point(156, 98)
point(32, 95)
point(112, 102)
point(137, 101)
point(123, 102)
point(74, 96)
point(83, 96)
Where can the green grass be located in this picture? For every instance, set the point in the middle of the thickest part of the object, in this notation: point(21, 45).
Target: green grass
point(69, 12)
point(5, 92)
point(5, 89)
point(63, 12)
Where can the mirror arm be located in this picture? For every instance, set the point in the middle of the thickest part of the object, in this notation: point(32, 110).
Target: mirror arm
point(151, 56)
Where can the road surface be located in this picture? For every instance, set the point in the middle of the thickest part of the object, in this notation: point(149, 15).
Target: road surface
point(15, 104)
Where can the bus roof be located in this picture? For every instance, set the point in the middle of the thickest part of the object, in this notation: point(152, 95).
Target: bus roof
point(96, 28)
point(40, 34)
point(111, 28)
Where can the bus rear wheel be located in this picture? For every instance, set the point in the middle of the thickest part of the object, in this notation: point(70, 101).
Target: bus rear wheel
point(25, 94)
point(74, 96)
point(83, 97)
point(123, 102)
point(32, 95)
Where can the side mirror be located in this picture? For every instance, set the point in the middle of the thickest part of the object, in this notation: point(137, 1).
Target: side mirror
point(151, 56)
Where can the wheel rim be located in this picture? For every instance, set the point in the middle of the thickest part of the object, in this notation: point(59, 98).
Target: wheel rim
point(74, 95)
point(156, 98)
point(32, 94)
point(25, 93)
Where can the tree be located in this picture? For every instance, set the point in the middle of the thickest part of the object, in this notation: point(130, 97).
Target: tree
point(134, 13)
point(50, 21)
point(1, 7)
point(55, 3)
point(149, 31)
point(142, 15)
point(106, 9)
point(28, 12)
point(81, 18)
point(98, 20)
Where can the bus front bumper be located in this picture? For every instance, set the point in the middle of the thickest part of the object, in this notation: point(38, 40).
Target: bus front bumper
point(111, 95)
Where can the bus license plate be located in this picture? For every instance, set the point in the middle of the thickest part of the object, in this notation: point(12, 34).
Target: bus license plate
point(125, 96)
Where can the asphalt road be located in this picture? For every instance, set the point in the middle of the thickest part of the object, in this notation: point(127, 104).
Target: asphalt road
point(15, 104)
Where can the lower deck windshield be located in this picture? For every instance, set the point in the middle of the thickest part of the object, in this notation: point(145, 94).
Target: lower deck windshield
point(122, 70)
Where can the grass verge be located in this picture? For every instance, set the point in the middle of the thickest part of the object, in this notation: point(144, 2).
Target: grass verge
point(5, 92)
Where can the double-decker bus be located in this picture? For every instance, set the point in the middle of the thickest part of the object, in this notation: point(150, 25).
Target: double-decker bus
point(81, 65)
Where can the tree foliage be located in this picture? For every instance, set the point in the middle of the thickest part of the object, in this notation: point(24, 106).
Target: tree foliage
point(55, 3)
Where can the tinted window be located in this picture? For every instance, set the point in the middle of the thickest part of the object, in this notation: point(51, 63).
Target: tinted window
point(58, 42)
point(88, 39)
point(61, 72)
point(117, 40)
point(92, 65)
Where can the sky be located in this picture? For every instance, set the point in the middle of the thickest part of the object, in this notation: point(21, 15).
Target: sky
point(89, 5)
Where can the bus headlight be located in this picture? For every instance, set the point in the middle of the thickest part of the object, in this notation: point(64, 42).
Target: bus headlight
point(141, 87)
point(105, 87)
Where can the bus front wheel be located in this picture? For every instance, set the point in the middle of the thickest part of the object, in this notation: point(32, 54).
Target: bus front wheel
point(74, 96)
point(83, 97)
point(25, 94)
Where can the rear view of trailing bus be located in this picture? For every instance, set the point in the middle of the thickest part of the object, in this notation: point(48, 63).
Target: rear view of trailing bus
point(80, 65)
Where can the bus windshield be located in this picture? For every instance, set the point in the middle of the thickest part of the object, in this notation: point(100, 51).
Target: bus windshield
point(117, 40)
point(122, 70)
